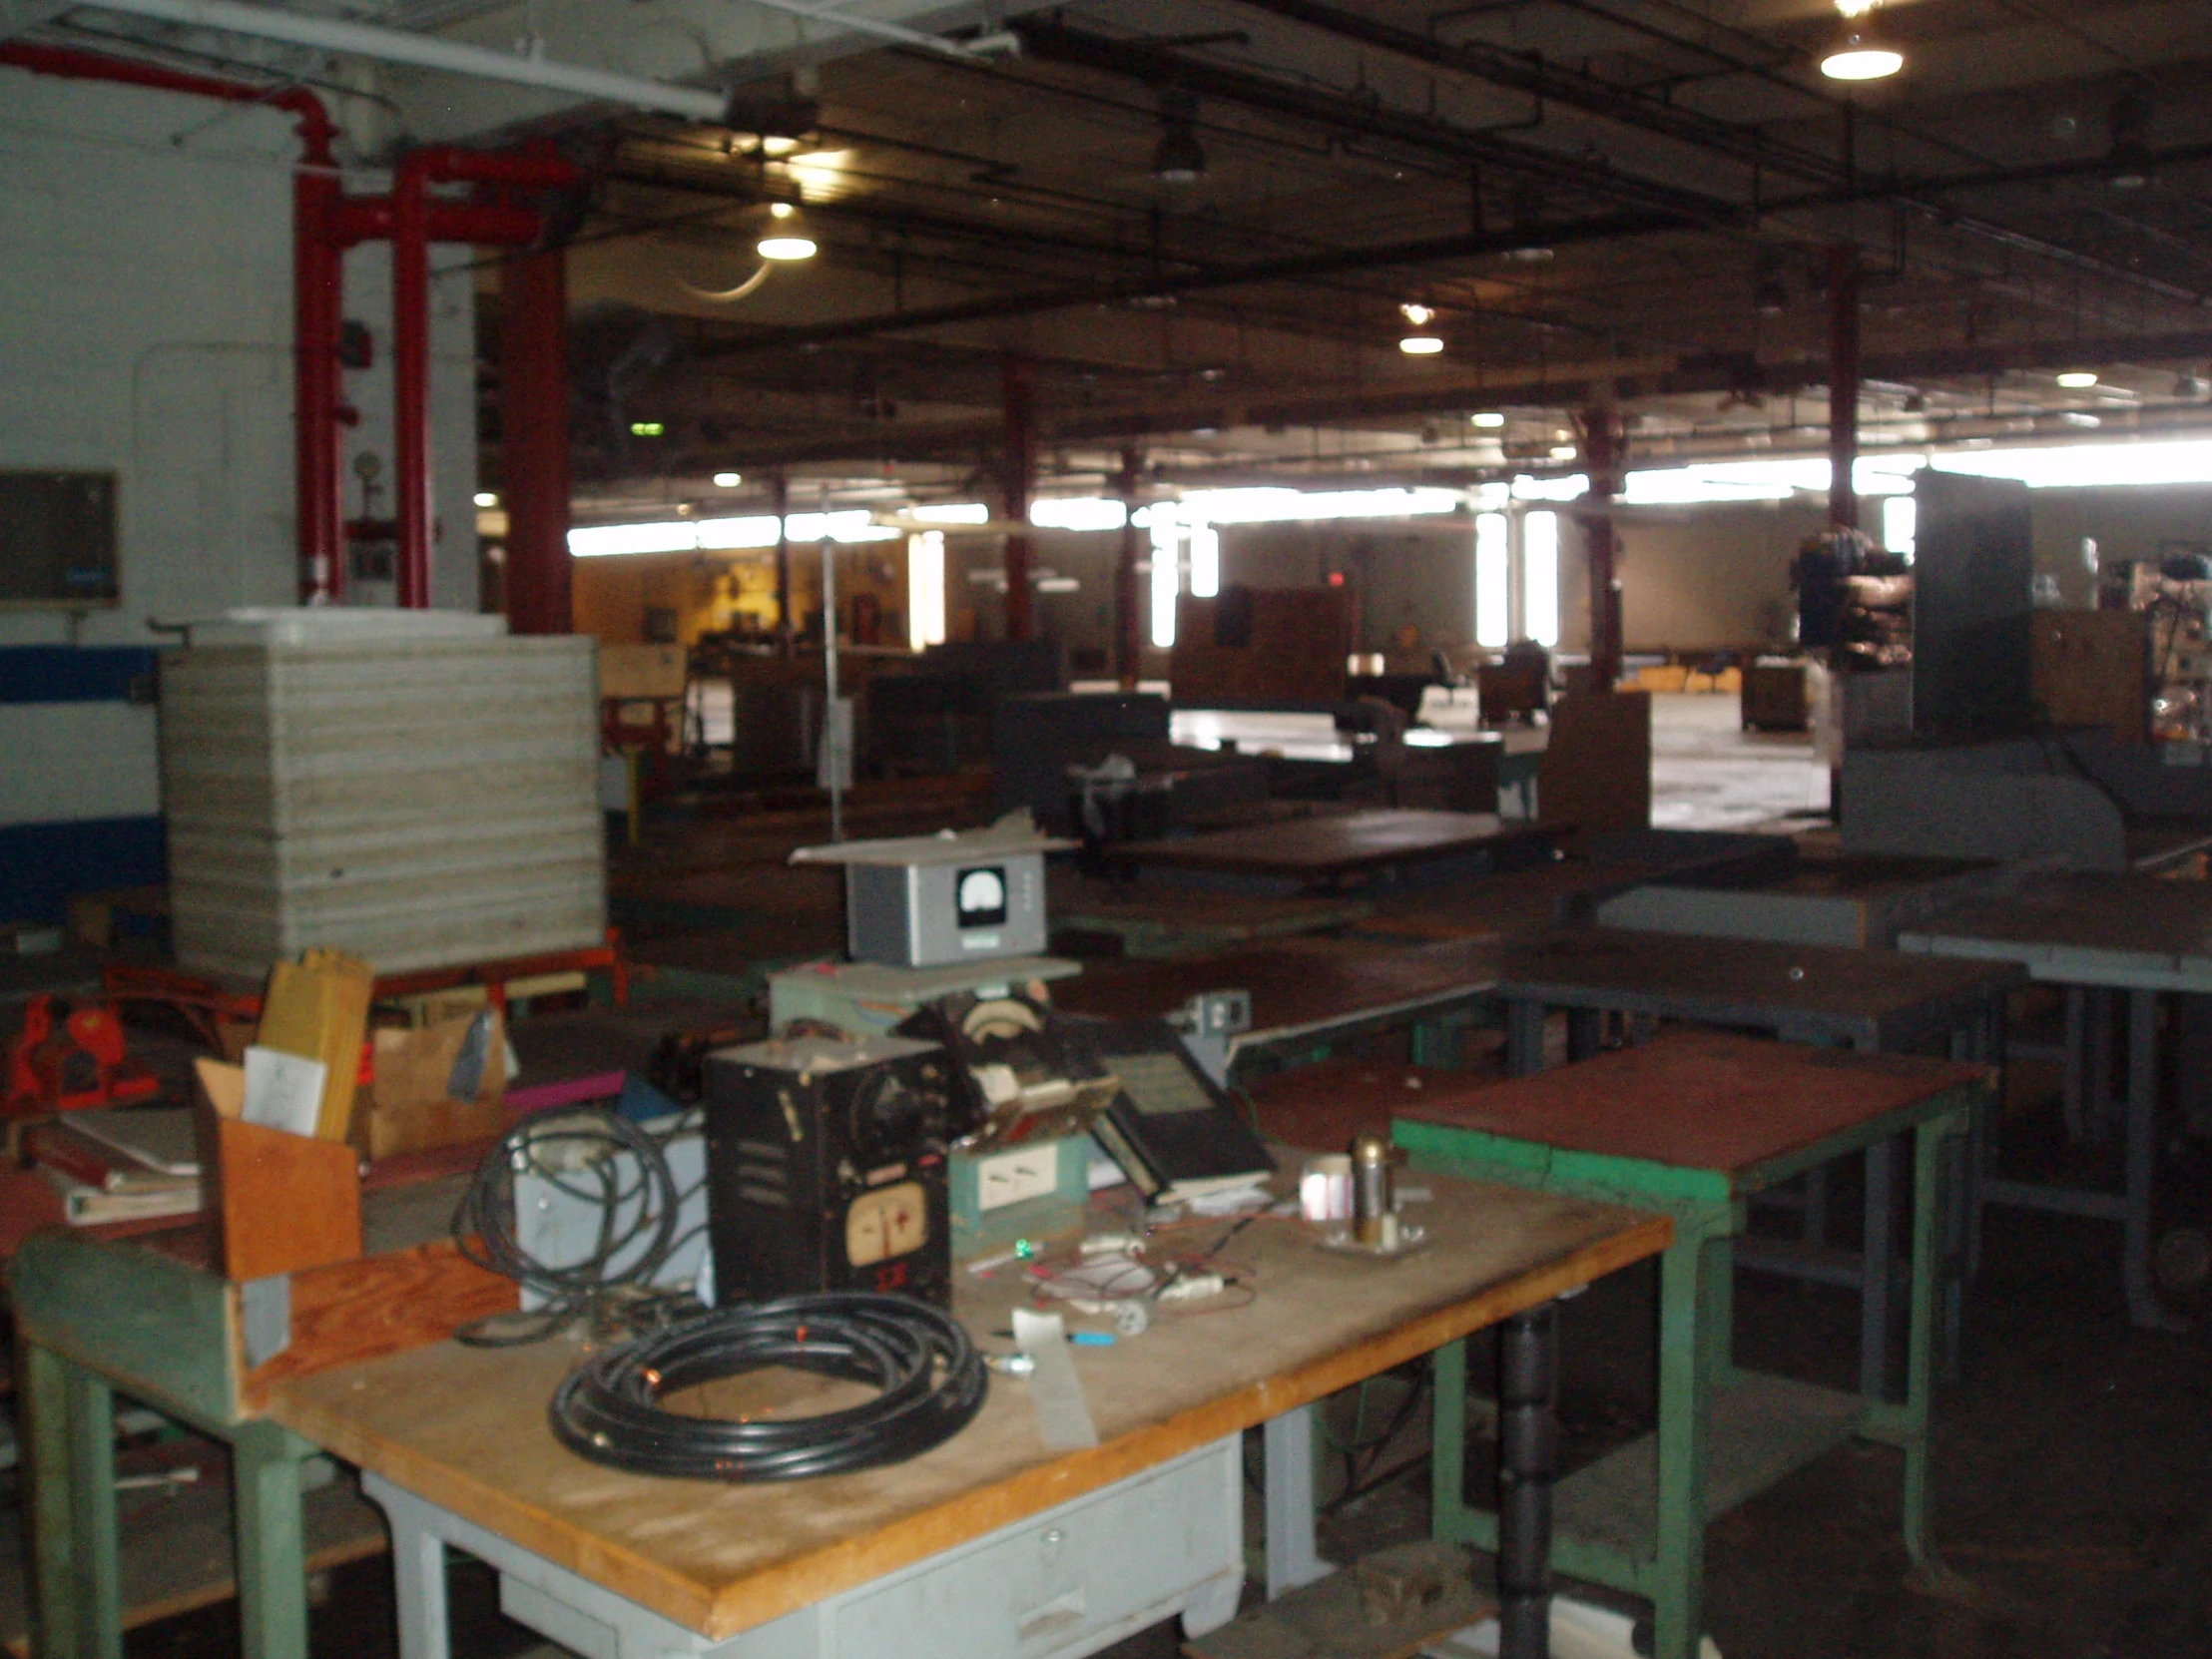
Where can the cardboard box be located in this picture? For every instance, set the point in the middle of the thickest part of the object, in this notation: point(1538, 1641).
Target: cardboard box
point(317, 1008)
point(280, 1203)
point(435, 1086)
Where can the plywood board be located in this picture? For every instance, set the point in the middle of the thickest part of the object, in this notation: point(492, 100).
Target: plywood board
point(1320, 849)
point(466, 1428)
point(1294, 983)
point(1698, 1100)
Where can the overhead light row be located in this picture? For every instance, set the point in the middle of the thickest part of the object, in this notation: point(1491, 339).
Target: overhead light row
point(1861, 52)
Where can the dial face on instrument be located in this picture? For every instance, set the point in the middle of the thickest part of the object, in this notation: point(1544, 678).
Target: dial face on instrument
point(891, 1221)
point(979, 896)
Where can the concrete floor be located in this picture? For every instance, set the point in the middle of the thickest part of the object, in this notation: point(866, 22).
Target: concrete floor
point(1708, 773)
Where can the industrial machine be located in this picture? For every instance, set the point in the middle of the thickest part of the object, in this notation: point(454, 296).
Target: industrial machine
point(827, 1167)
point(930, 900)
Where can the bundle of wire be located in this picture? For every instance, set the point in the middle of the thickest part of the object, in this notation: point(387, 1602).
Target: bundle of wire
point(930, 1380)
point(578, 1153)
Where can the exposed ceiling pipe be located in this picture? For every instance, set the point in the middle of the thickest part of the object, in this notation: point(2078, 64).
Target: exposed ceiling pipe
point(1293, 268)
point(404, 46)
point(834, 16)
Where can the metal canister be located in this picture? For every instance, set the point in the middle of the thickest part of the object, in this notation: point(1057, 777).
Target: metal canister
point(1372, 1197)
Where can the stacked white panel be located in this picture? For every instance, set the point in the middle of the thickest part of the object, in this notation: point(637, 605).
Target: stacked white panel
point(418, 801)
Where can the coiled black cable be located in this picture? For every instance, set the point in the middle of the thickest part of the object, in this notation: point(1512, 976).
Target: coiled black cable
point(932, 1378)
point(576, 1152)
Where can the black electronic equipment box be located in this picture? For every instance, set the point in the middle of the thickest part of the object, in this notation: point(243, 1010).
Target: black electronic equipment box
point(826, 1168)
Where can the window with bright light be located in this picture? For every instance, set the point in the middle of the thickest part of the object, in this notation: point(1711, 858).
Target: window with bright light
point(1205, 561)
point(926, 588)
point(1541, 577)
point(1166, 574)
point(1901, 522)
point(1493, 581)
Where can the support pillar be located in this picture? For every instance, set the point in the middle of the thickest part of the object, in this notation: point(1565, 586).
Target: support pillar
point(1604, 451)
point(533, 335)
point(1843, 384)
point(1128, 626)
point(1019, 385)
point(414, 508)
point(779, 498)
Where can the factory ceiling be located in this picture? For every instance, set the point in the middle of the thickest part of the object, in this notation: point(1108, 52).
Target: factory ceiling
point(1202, 219)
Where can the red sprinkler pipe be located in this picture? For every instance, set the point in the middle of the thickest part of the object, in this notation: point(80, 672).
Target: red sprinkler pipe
point(315, 281)
point(415, 222)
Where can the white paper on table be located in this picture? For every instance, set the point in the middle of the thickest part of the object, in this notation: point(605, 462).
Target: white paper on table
point(1063, 1415)
point(283, 1091)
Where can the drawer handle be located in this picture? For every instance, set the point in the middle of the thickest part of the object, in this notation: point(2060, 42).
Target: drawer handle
point(1050, 1619)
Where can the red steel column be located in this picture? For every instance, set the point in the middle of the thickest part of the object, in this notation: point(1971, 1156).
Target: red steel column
point(1604, 451)
point(1020, 383)
point(413, 504)
point(533, 335)
point(1128, 627)
point(1843, 384)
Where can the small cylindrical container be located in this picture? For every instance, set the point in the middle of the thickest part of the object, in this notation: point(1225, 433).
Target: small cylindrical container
point(1372, 1197)
point(1325, 1188)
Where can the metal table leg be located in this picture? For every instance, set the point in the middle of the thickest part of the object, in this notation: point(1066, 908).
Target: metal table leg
point(1585, 1033)
point(271, 1541)
point(1287, 1444)
point(1874, 1292)
point(1524, 1038)
point(1691, 1263)
point(77, 1603)
point(1528, 1455)
point(2143, 1160)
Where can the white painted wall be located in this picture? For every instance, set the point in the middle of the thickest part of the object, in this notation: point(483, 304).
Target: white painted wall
point(146, 263)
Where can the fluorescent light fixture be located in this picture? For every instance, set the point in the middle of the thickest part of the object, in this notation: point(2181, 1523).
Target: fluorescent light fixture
point(1421, 345)
point(785, 248)
point(646, 428)
point(951, 512)
point(1490, 421)
point(926, 588)
point(1492, 582)
point(1573, 487)
point(2078, 379)
point(1289, 506)
point(485, 498)
point(728, 480)
point(1541, 577)
point(1205, 561)
point(1080, 512)
point(715, 536)
point(1562, 451)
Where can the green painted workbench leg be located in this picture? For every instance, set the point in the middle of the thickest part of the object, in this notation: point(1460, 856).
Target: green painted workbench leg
point(70, 1508)
point(1686, 1350)
point(1447, 1441)
point(273, 1558)
point(1929, 1142)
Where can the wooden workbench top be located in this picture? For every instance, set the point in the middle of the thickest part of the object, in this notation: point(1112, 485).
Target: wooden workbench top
point(2134, 915)
point(1321, 849)
point(1294, 983)
point(1739, 974)
point(467, 1429)
point(1698, 1100)
point(1514, 903)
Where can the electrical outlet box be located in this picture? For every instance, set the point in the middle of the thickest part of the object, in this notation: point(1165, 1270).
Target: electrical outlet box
point(1010, 1177)
point(1043, 1191)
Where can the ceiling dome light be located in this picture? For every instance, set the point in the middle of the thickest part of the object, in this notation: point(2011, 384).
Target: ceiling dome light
point(1419, 315)
point(786, 237)
point(1490, 421)
point(2078, 379)
point(1178, 159)
point(728, 480)
point(1859, 55)
point(1421, 345)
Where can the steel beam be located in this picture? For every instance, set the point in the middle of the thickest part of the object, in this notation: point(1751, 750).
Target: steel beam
point(1843, 384)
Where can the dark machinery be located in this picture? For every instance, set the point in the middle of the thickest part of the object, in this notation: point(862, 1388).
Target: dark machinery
point(826, 1168)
